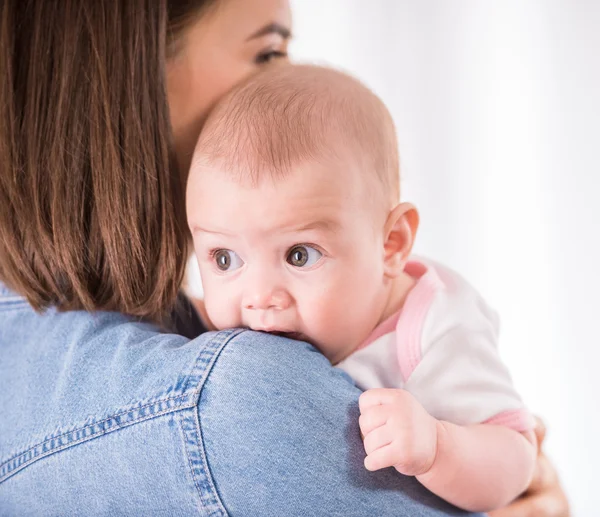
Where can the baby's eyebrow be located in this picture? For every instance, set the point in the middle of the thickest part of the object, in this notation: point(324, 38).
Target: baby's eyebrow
point(199, 229)
point(327, 225)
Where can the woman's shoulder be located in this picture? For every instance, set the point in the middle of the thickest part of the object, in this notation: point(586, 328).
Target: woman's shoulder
point(68, 377)
point(110, 412)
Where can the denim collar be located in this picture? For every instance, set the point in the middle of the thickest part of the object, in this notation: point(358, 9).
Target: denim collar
point(5, 292)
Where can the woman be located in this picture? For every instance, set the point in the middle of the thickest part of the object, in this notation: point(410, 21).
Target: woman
point(103, 411)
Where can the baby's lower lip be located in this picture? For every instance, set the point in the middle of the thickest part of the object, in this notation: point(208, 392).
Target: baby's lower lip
point(291, 335)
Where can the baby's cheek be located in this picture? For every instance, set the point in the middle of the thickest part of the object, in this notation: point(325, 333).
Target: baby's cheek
point(323, 314)
point(221, 309)
point(353, 307)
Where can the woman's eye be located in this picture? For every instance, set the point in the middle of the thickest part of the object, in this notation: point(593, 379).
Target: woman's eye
point(269, 56)
point(227, 260)
point(303, 256)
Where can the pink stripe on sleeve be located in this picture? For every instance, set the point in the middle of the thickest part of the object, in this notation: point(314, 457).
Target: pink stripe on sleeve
point(517, 419)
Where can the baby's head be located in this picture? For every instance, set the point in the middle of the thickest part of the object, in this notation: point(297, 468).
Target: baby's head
point(292, 203)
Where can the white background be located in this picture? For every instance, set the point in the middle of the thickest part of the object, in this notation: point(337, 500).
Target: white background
point(497, 106)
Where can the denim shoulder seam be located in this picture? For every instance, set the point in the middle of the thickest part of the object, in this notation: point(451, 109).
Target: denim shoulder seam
point(125, 418)
point(8, 303)
point(192, 432)
point(66, 440)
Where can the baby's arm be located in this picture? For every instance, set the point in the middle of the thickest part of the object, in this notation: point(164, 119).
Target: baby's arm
point(477, 468)
point(481, 467)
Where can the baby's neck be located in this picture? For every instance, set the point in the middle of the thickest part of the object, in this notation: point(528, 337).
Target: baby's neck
point(397, 292)
point(399, 289)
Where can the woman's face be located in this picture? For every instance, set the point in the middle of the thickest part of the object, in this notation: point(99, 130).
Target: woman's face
point(232, 40)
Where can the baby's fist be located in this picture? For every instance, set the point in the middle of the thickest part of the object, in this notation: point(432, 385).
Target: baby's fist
point(397, 432)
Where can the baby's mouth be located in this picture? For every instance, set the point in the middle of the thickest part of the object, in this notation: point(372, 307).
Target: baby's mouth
point(290, 335)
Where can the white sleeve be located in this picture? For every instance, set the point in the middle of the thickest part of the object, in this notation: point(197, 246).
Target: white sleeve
point(460, 377)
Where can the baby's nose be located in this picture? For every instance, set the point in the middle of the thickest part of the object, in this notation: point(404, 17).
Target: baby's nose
point(268, 299)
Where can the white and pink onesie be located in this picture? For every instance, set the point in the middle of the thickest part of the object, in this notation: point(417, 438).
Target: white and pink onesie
point(442, 348)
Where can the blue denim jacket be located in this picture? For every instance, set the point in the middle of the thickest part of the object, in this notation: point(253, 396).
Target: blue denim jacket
point(103, 415)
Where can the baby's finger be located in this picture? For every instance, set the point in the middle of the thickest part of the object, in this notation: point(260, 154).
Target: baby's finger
point(540, 431)
point(547, 504)
point(544, 475)
point(378, 438)
point(372, 418)
point(377, 397)
point(380, 459)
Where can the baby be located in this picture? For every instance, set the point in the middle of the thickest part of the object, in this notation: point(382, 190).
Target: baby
point(293, 205)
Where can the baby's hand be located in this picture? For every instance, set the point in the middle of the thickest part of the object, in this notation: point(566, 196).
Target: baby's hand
point(397, 432)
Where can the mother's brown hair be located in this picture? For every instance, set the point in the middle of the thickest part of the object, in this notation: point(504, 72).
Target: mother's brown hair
point(92, 209)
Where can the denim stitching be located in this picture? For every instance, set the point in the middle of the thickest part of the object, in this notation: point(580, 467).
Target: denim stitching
point(190, 425)
point(189, 460)
point(10, 299)
point(219, 341)
point(40, 451)
point(202, 481)
point(100, 422)
point(12, 304)
point(191, 428)
point(16, 463)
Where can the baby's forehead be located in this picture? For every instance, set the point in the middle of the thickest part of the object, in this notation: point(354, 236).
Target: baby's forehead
point(278, 213)
point(292, 114)
point(321, 193)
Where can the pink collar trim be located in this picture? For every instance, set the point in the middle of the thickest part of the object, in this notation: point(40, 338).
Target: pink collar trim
point(408, 320)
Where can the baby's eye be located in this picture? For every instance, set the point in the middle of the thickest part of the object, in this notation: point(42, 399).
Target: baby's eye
point(303, 256)
point(227, 260)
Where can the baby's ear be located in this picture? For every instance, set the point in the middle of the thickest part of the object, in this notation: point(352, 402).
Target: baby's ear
point(400, 231)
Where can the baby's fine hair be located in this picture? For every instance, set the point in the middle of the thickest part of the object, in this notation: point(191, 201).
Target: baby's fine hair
point(290, 114)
